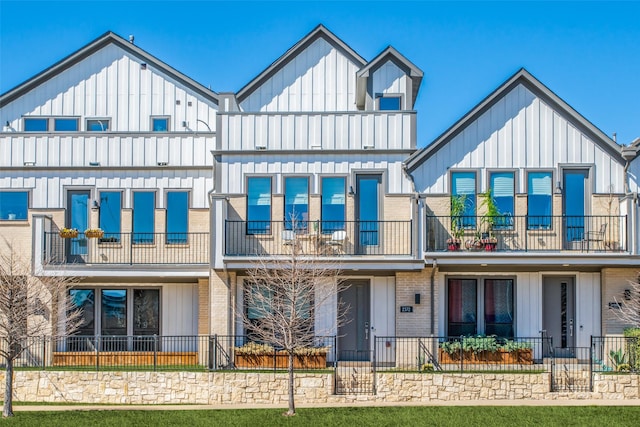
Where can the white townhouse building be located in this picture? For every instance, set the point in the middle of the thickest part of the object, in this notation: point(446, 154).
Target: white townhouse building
point(113, 138)
point(559, 242)
point(321, 134)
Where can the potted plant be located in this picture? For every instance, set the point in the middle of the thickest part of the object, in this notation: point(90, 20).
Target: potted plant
point(255, 355)
point(486, 349)
point(491, 216)
point(93, 233)
point(457, 225)
point(68, 233)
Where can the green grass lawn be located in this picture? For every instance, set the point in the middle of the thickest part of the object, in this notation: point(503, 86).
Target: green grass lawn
point(387, 416)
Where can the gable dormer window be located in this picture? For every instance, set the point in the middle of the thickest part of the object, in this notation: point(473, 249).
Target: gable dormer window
point(389, 102)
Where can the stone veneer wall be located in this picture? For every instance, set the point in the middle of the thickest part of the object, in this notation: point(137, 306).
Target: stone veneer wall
point(269, 388)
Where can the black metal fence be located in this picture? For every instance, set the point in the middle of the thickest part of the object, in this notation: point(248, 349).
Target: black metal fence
point(461, 354)
point(616, 354)
point(527, 233)
point(127, 248)
point(321, 238)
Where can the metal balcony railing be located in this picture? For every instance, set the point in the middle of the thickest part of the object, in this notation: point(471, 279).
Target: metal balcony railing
point(127, 248)
point(587, 234)
point(321, 238)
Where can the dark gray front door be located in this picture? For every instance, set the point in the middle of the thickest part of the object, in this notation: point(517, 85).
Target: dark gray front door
point(355, 335)
point(558, 314)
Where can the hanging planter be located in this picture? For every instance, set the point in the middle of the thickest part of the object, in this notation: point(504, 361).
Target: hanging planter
point(68, 233)
point(94, 233)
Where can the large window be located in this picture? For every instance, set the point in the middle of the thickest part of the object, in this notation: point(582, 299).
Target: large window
point(502, 186)
point(333, 204)
point(177, 216)
point(463, 185)
point(296, 203)
point(258, 205)
point(144, 204)
point(539, 200)
point(110, 218)
point(14, 205)
point(480, 306)
point(115, 314)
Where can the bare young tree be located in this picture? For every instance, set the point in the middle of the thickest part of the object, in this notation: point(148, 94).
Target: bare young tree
point(29, 308)
point(628, 310)
point(286, 295)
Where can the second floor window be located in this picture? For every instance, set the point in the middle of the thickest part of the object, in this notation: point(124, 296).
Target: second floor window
point(333, 204)
point(65, 124)
point(296, 203)
point(97, 125)
point(14, 205)
point(539, 198)
point(463, 185)
point(110, 219)
point(160, 124)
point(36, 124)
point(177, 216)
point(144, 203)
point(258, 205)
point(502, 191)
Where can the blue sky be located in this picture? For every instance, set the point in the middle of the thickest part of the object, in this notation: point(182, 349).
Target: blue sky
point(586, 52)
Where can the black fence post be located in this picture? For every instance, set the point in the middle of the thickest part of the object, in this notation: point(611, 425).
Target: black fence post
point(591, 363)
point(375, 348)
point(461, 354)
point(44, 353)
point(98, 344)
point(155, 352)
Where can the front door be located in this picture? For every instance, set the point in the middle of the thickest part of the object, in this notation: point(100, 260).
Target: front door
point(558, 314)
point(355, 335)
point(78, 218)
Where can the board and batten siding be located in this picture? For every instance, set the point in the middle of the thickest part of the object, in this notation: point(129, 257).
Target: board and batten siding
point(235, 169)
point(179, 309)
point(112, 83)
point(519, 132)
point(320, 78)
point(390, 79)
point(109, 150)
point(327, 131)
point(48, 187)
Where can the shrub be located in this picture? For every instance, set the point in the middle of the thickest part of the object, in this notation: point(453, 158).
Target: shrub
point(512, 345)
point(633, 347)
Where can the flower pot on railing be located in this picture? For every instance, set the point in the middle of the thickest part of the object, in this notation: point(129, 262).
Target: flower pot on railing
point(68, 233)
point(94, 233)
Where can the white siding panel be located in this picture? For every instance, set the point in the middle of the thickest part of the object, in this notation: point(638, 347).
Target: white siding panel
point(383, 313)
point(180, 309)
point(528, 305)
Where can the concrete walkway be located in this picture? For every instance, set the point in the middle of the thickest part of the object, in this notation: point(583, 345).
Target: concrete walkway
point(523, 402)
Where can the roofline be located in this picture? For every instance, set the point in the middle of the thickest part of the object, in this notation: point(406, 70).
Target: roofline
point(89, 49)
point(283, 60)
point(390, 50)
point(525, 78)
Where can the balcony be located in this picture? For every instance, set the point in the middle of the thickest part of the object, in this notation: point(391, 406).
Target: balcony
point(578, 234)
point(127, 249)
point(318, 238)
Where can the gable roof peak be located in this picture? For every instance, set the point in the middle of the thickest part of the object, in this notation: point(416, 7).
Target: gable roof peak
point(109, 37)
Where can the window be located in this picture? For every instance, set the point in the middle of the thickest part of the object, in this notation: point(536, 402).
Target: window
point(502, 186)
point(115, 314)
point(539, 200)
point(97, 125)
point(333, 204)
point(296, 203)
point(258, 205)
point(110, 218)
point(480, 306)
point(386, 102)
point(40, 124)
point(144, 204)
point(160, 124)
point(14, 205)
point(368, 209)
point(65, 124)
point(463, 185)
point(177, 216)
